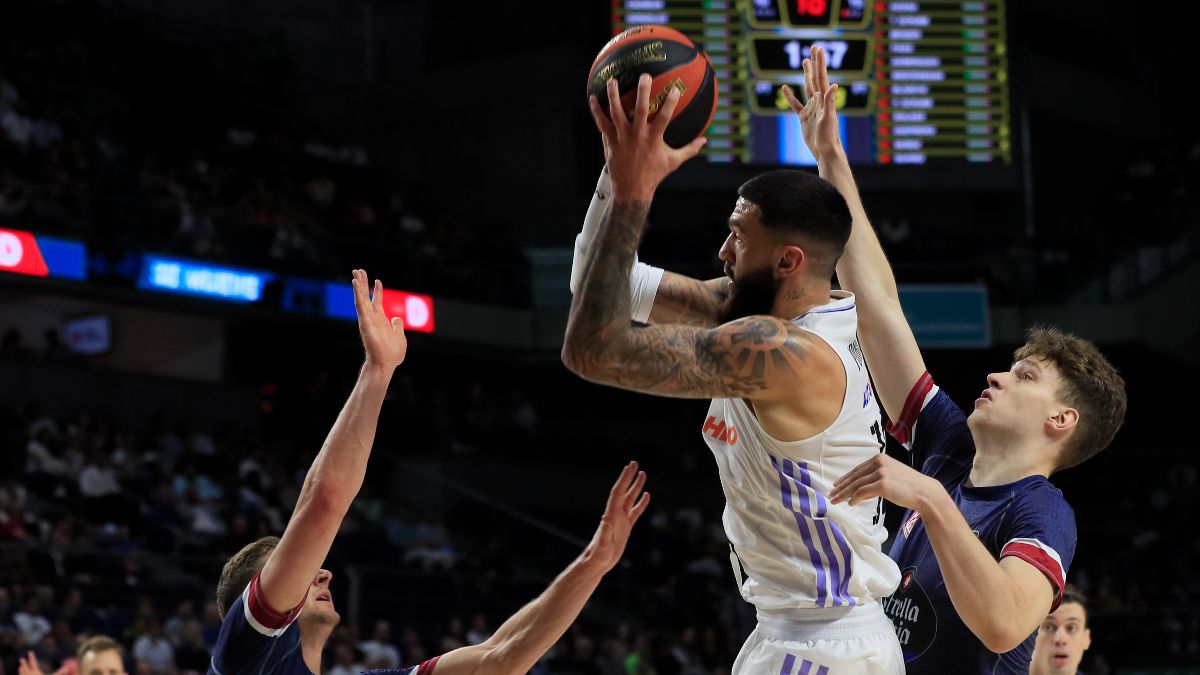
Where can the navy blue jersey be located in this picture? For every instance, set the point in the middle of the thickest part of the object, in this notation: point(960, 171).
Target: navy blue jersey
point(1028, 519)
point(257, 640)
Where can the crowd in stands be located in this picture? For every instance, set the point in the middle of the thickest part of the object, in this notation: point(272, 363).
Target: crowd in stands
point(98, 142)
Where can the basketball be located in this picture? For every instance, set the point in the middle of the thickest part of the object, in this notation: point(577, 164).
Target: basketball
point(673, 61)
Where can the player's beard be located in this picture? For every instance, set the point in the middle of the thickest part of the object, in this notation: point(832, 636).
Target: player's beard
point(753, 293)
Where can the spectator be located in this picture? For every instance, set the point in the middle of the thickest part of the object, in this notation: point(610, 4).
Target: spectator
point(31, 621)
point(98, 479)
point(154, 650)
point(479, 632)
point(180, 621)
point(379, 652)
point(343, 661)
point(192, 655)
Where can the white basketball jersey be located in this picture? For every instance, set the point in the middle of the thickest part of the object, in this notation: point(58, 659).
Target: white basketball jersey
point(792, 548)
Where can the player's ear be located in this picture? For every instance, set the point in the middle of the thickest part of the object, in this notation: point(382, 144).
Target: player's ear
point(791, 260)
point(1062, 423)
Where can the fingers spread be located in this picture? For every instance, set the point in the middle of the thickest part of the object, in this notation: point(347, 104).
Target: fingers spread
point(639, 508)
point(808, 79)
point(623, 480)
point(831, 97)
point(666, 112)
point(360, 291)
point(690, 150)
point(635, 488)
point(603, 123)
point(641, 105)
point(795, 104)
point(616, 113)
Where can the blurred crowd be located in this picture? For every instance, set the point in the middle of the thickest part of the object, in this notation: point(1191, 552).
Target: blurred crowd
point(97, 142)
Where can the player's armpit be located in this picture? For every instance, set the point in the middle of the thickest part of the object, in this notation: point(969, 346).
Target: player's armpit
point(747, 358)
point(688, 301)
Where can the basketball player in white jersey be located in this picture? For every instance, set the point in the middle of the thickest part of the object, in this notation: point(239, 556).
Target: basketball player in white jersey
point(792, 408)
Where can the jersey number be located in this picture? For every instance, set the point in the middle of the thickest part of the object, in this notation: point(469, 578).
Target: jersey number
point(878, 433)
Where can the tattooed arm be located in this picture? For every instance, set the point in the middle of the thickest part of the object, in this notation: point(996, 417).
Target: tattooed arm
point(746, 358)
point(684, 300)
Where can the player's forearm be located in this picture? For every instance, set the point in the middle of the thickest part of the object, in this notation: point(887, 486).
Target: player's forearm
point(864, 268)
point(644, 280)
point(982, 592)
point(338, 471)
point(600, 315)
point(524, 638)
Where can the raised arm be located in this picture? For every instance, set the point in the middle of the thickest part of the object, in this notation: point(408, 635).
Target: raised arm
point(525, 637)
point(741, 358)
point(656, 296)
point(337, 473)
point(887, 340)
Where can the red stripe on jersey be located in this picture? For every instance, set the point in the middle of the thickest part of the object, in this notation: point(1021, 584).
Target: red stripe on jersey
point(427, 667)
point(902, 428)
point(1041, 560)
point(263, 613)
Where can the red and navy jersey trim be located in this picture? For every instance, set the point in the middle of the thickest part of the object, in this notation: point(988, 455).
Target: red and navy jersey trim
point(261, 616)
point(425, 668)
point(902, 429)
point(1044, 558)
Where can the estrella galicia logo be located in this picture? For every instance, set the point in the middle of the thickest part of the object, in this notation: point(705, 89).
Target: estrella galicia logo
point(912, 615)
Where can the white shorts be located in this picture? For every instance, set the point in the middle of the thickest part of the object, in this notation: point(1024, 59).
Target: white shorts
point(855, 640)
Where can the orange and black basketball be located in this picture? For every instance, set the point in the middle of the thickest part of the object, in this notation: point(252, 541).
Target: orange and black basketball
point(673, 61)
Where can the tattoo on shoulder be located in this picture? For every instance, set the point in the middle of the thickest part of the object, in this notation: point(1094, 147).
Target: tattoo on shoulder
point(743, 358)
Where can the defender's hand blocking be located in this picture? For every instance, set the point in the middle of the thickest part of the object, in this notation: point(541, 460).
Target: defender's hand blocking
point(383, 340)
point(818, 118)
point(637, 156)
point(626, 503)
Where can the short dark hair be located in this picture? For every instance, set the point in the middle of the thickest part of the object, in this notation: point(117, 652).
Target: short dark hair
point(98, 643)
point(1090, 384)
point(240, 569)
point(807, 207)
point(1072, 594)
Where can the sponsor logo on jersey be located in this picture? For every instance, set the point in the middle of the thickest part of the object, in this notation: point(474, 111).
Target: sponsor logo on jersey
point(912, 615)
point(720, 431)
point(867, 395)
point(910, 524)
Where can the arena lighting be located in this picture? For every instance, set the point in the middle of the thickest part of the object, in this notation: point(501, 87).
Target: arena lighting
point(415, 309)
point(33, 255)
point(203, 279)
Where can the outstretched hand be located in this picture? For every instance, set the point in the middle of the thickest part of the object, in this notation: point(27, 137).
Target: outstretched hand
point(883, 476)
point(626, 503)
point(28, 665)
point(383, 340)
point(818, 117)
point(637, 156)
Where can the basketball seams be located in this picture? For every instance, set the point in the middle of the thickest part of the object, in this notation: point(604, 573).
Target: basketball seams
point(676, 58)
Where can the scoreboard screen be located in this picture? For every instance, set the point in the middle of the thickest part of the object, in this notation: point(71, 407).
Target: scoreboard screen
point(920, 82)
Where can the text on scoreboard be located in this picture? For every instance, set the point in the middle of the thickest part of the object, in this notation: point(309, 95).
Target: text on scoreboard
point(919, 82)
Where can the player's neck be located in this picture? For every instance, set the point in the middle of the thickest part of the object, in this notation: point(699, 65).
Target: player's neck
point(997, 464)
point(311, 646)
point(799, 299)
